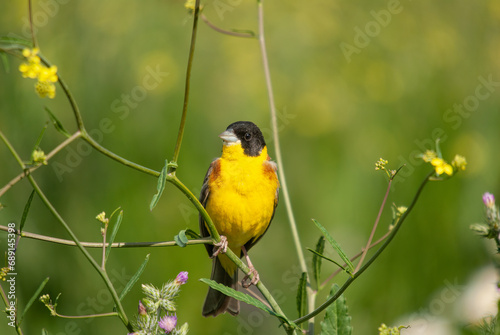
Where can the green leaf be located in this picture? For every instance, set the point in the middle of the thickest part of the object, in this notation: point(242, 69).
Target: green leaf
point(335, 246)
point(316, 260)
point(302, 295)
point(337, 320)
point(32, 300)
point(180, 239)
point(44, 332)
point(57, 124)
point(113, 233)
point(328, 259)
point(26, 210)
point(162, 180)
point(5, 61)
point(134, 278)
point(39, 139)
point(241, 297)
point(14, 43)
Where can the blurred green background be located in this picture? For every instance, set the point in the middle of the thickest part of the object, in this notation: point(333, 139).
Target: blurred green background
point(349, 89)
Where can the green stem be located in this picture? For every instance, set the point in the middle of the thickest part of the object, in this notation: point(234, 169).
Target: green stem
point(91, 316)
point(101, 272)
point(180, 134)
point(117, 158)
point(25, 234)
point(12, 151)
point(33, 168)
point(227, 32)
point(349, 281)
point(363, 255)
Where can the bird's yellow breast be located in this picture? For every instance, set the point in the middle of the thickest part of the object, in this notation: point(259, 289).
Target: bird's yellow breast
point(242, 195)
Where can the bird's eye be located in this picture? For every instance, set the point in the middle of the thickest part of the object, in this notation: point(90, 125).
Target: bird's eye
point(248, 136)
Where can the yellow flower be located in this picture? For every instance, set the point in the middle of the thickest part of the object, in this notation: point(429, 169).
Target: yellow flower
point(102, 218)
point(440, 166)
point(380, 164)
point(459, 162)
point(46, 76)
point(38, 157)
point(190, 5)
point(429, 155)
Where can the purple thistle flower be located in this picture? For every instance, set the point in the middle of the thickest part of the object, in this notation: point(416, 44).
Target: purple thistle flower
point(182, 278)
point(489, 200)
point(168, 323)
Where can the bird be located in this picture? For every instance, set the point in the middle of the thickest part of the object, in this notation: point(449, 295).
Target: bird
point(240, 193)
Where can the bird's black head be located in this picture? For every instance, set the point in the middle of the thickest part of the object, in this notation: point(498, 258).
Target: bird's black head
point(248, 134)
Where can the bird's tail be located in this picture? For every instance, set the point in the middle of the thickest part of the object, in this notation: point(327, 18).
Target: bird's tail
point(216, 302)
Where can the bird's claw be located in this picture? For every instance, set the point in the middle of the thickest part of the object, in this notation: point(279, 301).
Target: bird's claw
point(254, 280)
point(220, 247)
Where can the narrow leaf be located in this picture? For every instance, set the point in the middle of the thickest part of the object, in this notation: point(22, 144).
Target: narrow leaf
point(328, 259)
point(44, 332)
point(26, 210)
point(5, 61)
point(134, 278)
point(162, 180)
point(320, 248)
point(337, 320)
point(335, 246)
point(113, 233)
point(180, 239)
point(57, 124)
point(302, 295)
point(13, 42)
point(39, 139)
point(32, 300)
point(240, 296)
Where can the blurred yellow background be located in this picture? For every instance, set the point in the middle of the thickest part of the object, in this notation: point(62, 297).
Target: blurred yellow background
point(354, 81)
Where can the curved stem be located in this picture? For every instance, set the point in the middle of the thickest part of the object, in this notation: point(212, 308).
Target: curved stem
point(180, 134)
point(20, 176)
point(226, 32)
point(349, 281)
point(117, 158)
point(102, 273)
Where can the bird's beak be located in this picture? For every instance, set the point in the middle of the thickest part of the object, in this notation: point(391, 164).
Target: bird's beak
point(229, 137)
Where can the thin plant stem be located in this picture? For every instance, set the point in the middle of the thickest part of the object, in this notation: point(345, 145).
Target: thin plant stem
point(117, 158)
point(61, 241)
point(227, 32)
point(363, 255)
point(30, 15)
point(377, 253)
point(102, 273)
point(23, 174)
point(90, 316)
point(182, 125)
point(274, 123)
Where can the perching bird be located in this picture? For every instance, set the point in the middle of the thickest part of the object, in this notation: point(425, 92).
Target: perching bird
point(240, 193)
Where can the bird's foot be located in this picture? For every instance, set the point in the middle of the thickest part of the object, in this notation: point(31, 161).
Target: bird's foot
point(253, 281)
point(220, 247)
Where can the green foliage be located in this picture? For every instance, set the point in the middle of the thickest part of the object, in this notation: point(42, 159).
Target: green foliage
point(26, 210)
point(302, 295)
point(316, 260)
point(336, 247)
point(57, 124)
point(162, 180)
point(134, 278)
point(337, 320)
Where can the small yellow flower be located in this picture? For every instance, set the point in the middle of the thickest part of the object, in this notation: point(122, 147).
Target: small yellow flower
point(380, 164)
point(34, 69)
point(459, 162)
point(38, 157)
point(429, 155)
point(401, 210)
point(102, 218)
point(440, 166)
point(190, 5)
point(3, 273)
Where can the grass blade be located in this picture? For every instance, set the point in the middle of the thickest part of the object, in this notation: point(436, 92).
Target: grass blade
point(162, 181)
point(26, 210)
point(134, 278)
point(32, 300)
point(320, 248)
point(302, 295)
point(335, 246)
point(113, 234)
